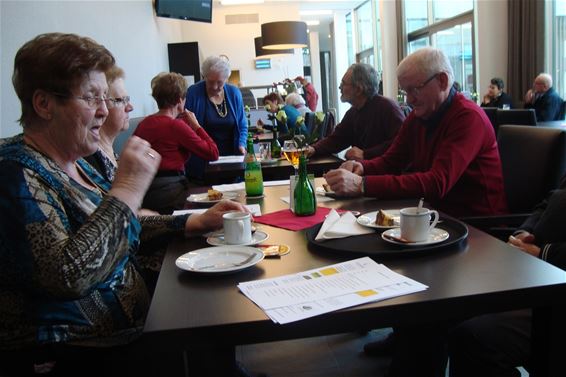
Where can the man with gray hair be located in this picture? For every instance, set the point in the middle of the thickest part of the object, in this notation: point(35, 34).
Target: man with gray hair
point(369, 125)
point(445, 150)
point(544, 99)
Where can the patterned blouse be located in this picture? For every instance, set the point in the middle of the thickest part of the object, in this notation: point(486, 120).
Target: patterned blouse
point(67, 271)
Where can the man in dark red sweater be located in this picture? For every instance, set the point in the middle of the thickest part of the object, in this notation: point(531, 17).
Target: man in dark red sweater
point(370, 125)
point(445, 151)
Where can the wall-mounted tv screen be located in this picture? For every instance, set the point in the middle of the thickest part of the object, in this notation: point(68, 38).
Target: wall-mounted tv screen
point(190, 10)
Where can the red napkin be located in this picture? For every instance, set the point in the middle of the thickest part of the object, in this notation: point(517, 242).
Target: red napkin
point(287, 220)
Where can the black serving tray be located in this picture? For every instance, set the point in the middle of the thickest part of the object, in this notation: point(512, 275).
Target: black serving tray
point(373, 245)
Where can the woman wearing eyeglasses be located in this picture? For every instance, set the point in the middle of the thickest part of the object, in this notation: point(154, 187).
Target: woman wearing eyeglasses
point(176, 134)
point(72, 298)
point(104, 160)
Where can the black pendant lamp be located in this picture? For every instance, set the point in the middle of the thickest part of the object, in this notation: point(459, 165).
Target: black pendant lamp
point(284, 35)
point(260, 52)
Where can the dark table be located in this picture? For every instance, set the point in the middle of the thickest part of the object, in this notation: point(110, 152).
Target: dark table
point(227, 173)
point(483, 275)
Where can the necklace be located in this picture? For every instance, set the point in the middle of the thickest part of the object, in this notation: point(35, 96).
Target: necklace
point(221, 108)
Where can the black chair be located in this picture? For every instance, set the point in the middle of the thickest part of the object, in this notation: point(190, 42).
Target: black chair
point(562, 113)
point(491, 113)
point(248, 98)
point(328, 125)
point(533, 161)
point(310, 122)
point(523, 117)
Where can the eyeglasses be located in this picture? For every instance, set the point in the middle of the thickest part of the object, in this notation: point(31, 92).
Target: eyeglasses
point(416, 90)
point(91, 101)
point(117, 102)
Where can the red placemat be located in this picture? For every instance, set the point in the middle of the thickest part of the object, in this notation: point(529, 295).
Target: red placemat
point(287, 220)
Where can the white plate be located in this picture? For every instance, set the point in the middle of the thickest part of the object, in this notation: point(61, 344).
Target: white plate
point(436, 235)
point(218, 260)
point(217, 239)
point(368, 219)
point(203, 198)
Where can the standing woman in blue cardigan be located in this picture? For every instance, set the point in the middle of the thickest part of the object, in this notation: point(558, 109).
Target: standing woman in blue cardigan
point(219, 108)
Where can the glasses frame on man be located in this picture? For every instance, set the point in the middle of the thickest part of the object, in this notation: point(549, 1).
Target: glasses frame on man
point(416, 90)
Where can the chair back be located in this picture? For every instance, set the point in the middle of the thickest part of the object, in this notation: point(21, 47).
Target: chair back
point(123, 136)
point(310, 122)
point(525, 117)
point(562, 113)
point(327, 126)
point(248, 98)
point(491, 113)
point(533, 161)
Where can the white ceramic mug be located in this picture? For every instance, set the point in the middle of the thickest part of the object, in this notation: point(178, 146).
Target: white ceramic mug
point(237, 228)
point(415, 224)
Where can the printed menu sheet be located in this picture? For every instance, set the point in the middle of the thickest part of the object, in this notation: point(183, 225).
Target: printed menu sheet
point(310, 293)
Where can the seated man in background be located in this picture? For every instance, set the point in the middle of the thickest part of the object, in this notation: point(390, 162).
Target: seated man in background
point(496, 97)
point(495, 344)
point(369, 125)
point(544, 99)
point(445, 150)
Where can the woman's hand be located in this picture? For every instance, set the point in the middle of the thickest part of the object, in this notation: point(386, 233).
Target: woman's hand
point(190, 118)
point(138, 165)
point(527, 247)
point(212, 218)
point(242, 149)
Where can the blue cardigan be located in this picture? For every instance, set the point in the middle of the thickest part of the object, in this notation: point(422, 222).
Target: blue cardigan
point(196, 102)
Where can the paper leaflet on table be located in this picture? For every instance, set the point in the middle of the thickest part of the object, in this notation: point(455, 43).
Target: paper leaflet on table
point(309, 293)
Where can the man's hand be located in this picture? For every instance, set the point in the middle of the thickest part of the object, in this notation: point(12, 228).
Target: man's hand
point(310, 151)
point(353, 166)
point(355, 153)
point(344, 182)
point(530, 248)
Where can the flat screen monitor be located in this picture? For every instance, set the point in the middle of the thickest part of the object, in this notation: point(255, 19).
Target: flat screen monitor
point(190, 10)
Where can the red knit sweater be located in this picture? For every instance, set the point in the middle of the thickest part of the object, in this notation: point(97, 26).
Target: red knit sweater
point(456, 167)
point(176, 141)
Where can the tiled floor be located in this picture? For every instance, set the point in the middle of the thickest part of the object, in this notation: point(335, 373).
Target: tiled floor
point(329, 356)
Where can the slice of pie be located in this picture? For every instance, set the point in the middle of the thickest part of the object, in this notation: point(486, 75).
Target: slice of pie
point(383, 219)
point(214, 195)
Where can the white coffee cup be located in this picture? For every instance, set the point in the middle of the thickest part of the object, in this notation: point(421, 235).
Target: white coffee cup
point(415, 223)
point(237, 228)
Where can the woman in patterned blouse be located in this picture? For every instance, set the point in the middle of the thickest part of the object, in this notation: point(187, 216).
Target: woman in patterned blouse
point(69, 287)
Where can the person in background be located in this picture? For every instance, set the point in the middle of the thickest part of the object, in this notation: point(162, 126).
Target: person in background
point(219, 108)
point(310, 93)
point(176, 134)
point(544, 99)
point(496, 97)
point(105, 160)
point(496, 344)
point(273, 103)
point(370, 125)
point(297, 101)
point(72, 301)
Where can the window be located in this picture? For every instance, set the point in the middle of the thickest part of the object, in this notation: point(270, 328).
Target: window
point(556, 35)
point(447, 25)
point(350, 39)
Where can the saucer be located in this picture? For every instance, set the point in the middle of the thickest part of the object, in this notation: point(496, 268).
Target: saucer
point(219, 260)
point(436, 235)
point(217, 239)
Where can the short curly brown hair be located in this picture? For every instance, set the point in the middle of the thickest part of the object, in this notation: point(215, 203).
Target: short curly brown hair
point(167, 88)
point(56, 63)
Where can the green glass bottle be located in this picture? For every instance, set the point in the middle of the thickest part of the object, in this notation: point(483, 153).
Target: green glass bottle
point(304, 198)
point(252, 176)
point(275, 145)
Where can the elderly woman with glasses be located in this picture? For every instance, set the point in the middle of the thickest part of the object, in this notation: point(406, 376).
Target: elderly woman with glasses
point(105, 160)
point(176, 134)
point(219, 108)
point(69, 289)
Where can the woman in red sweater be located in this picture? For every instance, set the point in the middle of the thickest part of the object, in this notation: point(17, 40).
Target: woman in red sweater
point(176, 134)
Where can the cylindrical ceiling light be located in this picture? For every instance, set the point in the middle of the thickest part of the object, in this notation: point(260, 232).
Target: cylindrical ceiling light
point(261, 52)
point(284, 34)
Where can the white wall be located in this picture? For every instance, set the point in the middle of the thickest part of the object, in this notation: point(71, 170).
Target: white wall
point(137, 39)
point(492, 35)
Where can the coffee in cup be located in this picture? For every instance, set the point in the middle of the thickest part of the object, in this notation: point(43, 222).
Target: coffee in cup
point(415, 223)
point(237, 228)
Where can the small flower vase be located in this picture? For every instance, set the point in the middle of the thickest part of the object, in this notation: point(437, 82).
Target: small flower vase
point(304, 198)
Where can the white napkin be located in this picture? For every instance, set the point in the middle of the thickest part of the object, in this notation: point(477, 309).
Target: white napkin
point(336, 226)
